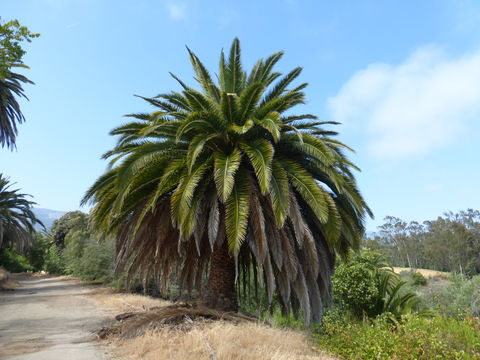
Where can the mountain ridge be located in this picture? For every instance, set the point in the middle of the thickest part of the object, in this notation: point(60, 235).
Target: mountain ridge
point(47, 216)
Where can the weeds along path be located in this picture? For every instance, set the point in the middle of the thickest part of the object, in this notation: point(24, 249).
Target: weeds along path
point(49, 318)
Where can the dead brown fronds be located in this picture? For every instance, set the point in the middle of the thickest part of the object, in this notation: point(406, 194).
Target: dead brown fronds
point(177, 316)
point(220, 340)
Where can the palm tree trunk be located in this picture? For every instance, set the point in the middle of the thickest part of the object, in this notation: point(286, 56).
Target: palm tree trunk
point(220, 293)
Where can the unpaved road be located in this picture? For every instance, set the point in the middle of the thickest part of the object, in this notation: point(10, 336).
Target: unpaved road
point(49, 318)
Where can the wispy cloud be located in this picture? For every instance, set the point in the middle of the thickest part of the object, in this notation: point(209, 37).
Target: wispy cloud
point(177, 11)
point(414, 107)
point(72, 25)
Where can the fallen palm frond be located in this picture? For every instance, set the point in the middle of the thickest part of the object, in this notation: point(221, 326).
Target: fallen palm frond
point(181, 316)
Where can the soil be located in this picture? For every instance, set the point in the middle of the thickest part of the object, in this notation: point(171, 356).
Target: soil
point(50, 318)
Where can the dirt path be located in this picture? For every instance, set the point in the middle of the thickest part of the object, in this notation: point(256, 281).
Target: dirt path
point(49, 318)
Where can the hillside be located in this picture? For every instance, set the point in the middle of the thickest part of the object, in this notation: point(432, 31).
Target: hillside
point(47, 216)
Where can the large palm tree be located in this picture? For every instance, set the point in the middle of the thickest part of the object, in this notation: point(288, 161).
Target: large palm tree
point(226, 184)
point(17, 220)
point(10, 114)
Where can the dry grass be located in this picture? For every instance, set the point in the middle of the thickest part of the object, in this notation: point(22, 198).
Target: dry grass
point(212, 340)
point(123, 302)
point(425, 272)
point(221, 341)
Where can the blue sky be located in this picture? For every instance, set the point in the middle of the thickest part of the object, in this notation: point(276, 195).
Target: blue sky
point(403, 77)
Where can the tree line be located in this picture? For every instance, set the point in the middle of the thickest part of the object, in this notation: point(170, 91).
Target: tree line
point(450, 243)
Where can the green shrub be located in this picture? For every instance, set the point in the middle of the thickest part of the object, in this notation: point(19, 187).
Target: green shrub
point(354, 288)
point(54, 262)
point(13, 261)
point(417, 338)
point(37, 253)
point(418, 279)
point(97, 261)
point(459, 297)
point(365, 286)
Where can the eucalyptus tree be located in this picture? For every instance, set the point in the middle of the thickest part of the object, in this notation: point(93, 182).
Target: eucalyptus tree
point(17, 219)
point(225, 186)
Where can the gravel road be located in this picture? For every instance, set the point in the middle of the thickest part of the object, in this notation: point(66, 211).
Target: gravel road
point(49, 318)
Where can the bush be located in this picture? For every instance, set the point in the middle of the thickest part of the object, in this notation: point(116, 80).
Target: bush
point(354, 288)
point(418, 279)
point(54, 262)
point(36, 254)
point(97, 261)
point(365, 286)
point(460, 297)
point(417, 338)
point(13, 261)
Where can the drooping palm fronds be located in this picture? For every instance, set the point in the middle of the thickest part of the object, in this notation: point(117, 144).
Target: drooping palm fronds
point(230, 165)
point(10, 113)
point(17, 219)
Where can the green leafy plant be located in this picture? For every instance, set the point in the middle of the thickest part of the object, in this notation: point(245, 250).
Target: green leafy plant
point(13, 261)
point(365, 286)
point(416, 338)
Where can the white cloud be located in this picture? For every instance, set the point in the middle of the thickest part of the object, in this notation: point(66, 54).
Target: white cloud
point(177, 11)
point(411, 108)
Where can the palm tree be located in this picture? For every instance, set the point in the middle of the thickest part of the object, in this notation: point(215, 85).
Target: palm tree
point(17, 219)
point(226, 184)
point(10, 114)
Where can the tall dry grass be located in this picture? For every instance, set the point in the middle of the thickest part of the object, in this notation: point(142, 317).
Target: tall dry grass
point(425, 272)
point(220, 341)
point(210, 340)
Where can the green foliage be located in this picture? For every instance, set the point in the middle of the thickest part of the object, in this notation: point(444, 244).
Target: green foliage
point(417, 338)
point(54, 262)
point(450, 243)
point(36, 253)
point(78, 252)
point(354, 288)
point(70, 222)
point(11, 51)
point(13, 261)
point(365, 287)
point(96, 262)
point(460, 297)
point(414, 278)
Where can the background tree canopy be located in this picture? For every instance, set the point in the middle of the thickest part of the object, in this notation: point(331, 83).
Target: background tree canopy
point(449, 243)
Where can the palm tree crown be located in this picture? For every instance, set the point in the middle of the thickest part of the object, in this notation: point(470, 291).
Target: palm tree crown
point(226, 181)
point(17, 219)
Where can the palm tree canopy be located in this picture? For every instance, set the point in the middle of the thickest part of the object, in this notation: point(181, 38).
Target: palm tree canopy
point(229, 162)
point(17, 219)
point(10, 114)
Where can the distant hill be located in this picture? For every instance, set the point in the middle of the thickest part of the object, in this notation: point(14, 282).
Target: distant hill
point(47, 216)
